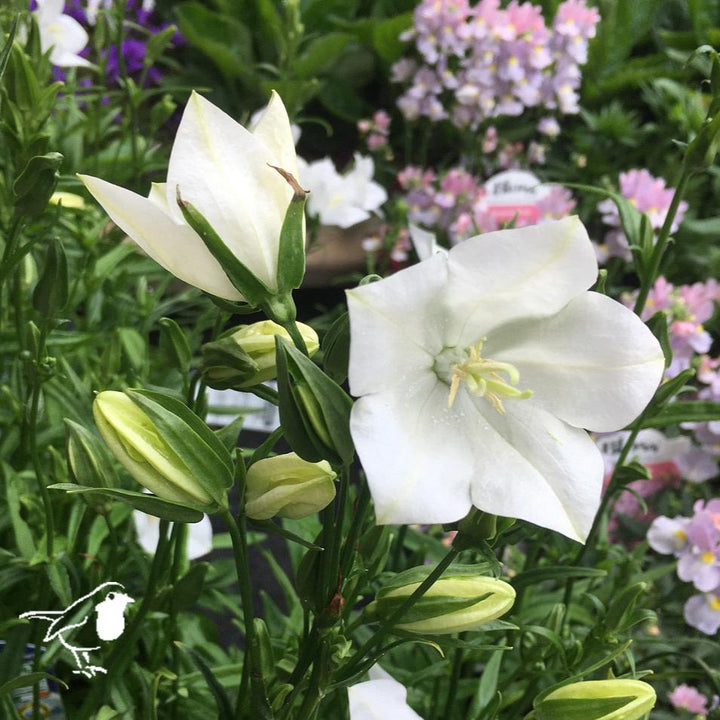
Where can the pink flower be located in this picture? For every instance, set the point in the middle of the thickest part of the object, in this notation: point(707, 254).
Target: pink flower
point(649, 195)
point(685, 697)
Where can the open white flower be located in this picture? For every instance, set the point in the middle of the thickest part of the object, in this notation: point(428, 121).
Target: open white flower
point(64, 36)
point(224, 171)
point(342, 200)
point(477, 372)
point(379, 698)
point(199, 540)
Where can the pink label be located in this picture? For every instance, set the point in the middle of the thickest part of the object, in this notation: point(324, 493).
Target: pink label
point(526, 214)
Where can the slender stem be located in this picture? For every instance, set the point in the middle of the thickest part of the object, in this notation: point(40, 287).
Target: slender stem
point(296, 336)
point(662, 241)
point(264, 392)
point(604, 503)
point(237, 530)
point(387, 624)
point(454, 681)
point(120, 654)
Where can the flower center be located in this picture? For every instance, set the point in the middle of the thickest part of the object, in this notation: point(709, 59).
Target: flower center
point(482, 376)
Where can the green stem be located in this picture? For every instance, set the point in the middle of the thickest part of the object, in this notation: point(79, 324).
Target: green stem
point(454, 681)
point(604, 503)
point(387, 624)
point(237, 530)
point(660, 245)
point(120, 654)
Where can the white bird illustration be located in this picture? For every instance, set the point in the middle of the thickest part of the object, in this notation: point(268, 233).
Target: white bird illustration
point(109, 624)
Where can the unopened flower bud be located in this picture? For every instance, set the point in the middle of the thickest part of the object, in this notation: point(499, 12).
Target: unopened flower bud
point(288, 486)
point(184, 467)
point(460, 600)
point(617, 699)
point(246, 356)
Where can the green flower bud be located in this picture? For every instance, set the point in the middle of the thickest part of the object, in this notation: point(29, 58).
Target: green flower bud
point(460, 600)
point(288, 486)
point(135, 441)
point(246, 356)
point(597, 700)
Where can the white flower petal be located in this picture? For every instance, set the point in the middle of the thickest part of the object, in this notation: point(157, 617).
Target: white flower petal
point(379, 700)
point(274, 130)
point(594, 364)
point(424, 242)
point(174, 246)
point(530, 465)
point(396, 325)
point(222, 169)
point(417, 453)
point(503, 276)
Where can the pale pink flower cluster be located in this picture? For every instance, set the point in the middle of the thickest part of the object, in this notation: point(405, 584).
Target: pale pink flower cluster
point(686, 697)
point(375, 131)
point(687, 307)
point(649, 195)
point(695, 542)
point(454, 203)
point(483, 61)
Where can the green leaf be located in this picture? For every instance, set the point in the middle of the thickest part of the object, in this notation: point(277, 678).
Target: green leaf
point(320, 54)
point(251, 288)
point(174, 345)
point(291, 250)
point(487, 687)
point(659, 327)
point(336, 349)
point(580, 708)
point(386, 37)
point(133, 346)
point(150, 504)
point(684, 411)
point(28, 680)
point(554, 572)
point(23, 534)
point(189, 588)
point(225, 40)
point(222, 700)
point(59, 581)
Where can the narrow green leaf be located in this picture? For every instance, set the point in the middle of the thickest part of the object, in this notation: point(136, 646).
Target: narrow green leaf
point(222, 700)
point(291, 250)
point(684, 411)
point(554, 572)
point(150, 504)
point(251, 288)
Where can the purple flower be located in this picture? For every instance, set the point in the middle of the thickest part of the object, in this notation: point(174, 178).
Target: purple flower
point(668, 536)
point(703, 613)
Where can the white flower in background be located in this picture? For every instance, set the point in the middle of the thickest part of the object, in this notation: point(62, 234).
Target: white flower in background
point(425, 242)
point(342, 200)
point(477, 372)
point(64, 36)
point(380, 698)
point(224, 171)
point(199, 541)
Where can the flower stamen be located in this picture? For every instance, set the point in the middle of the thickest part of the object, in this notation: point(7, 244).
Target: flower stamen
point(484, 377)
